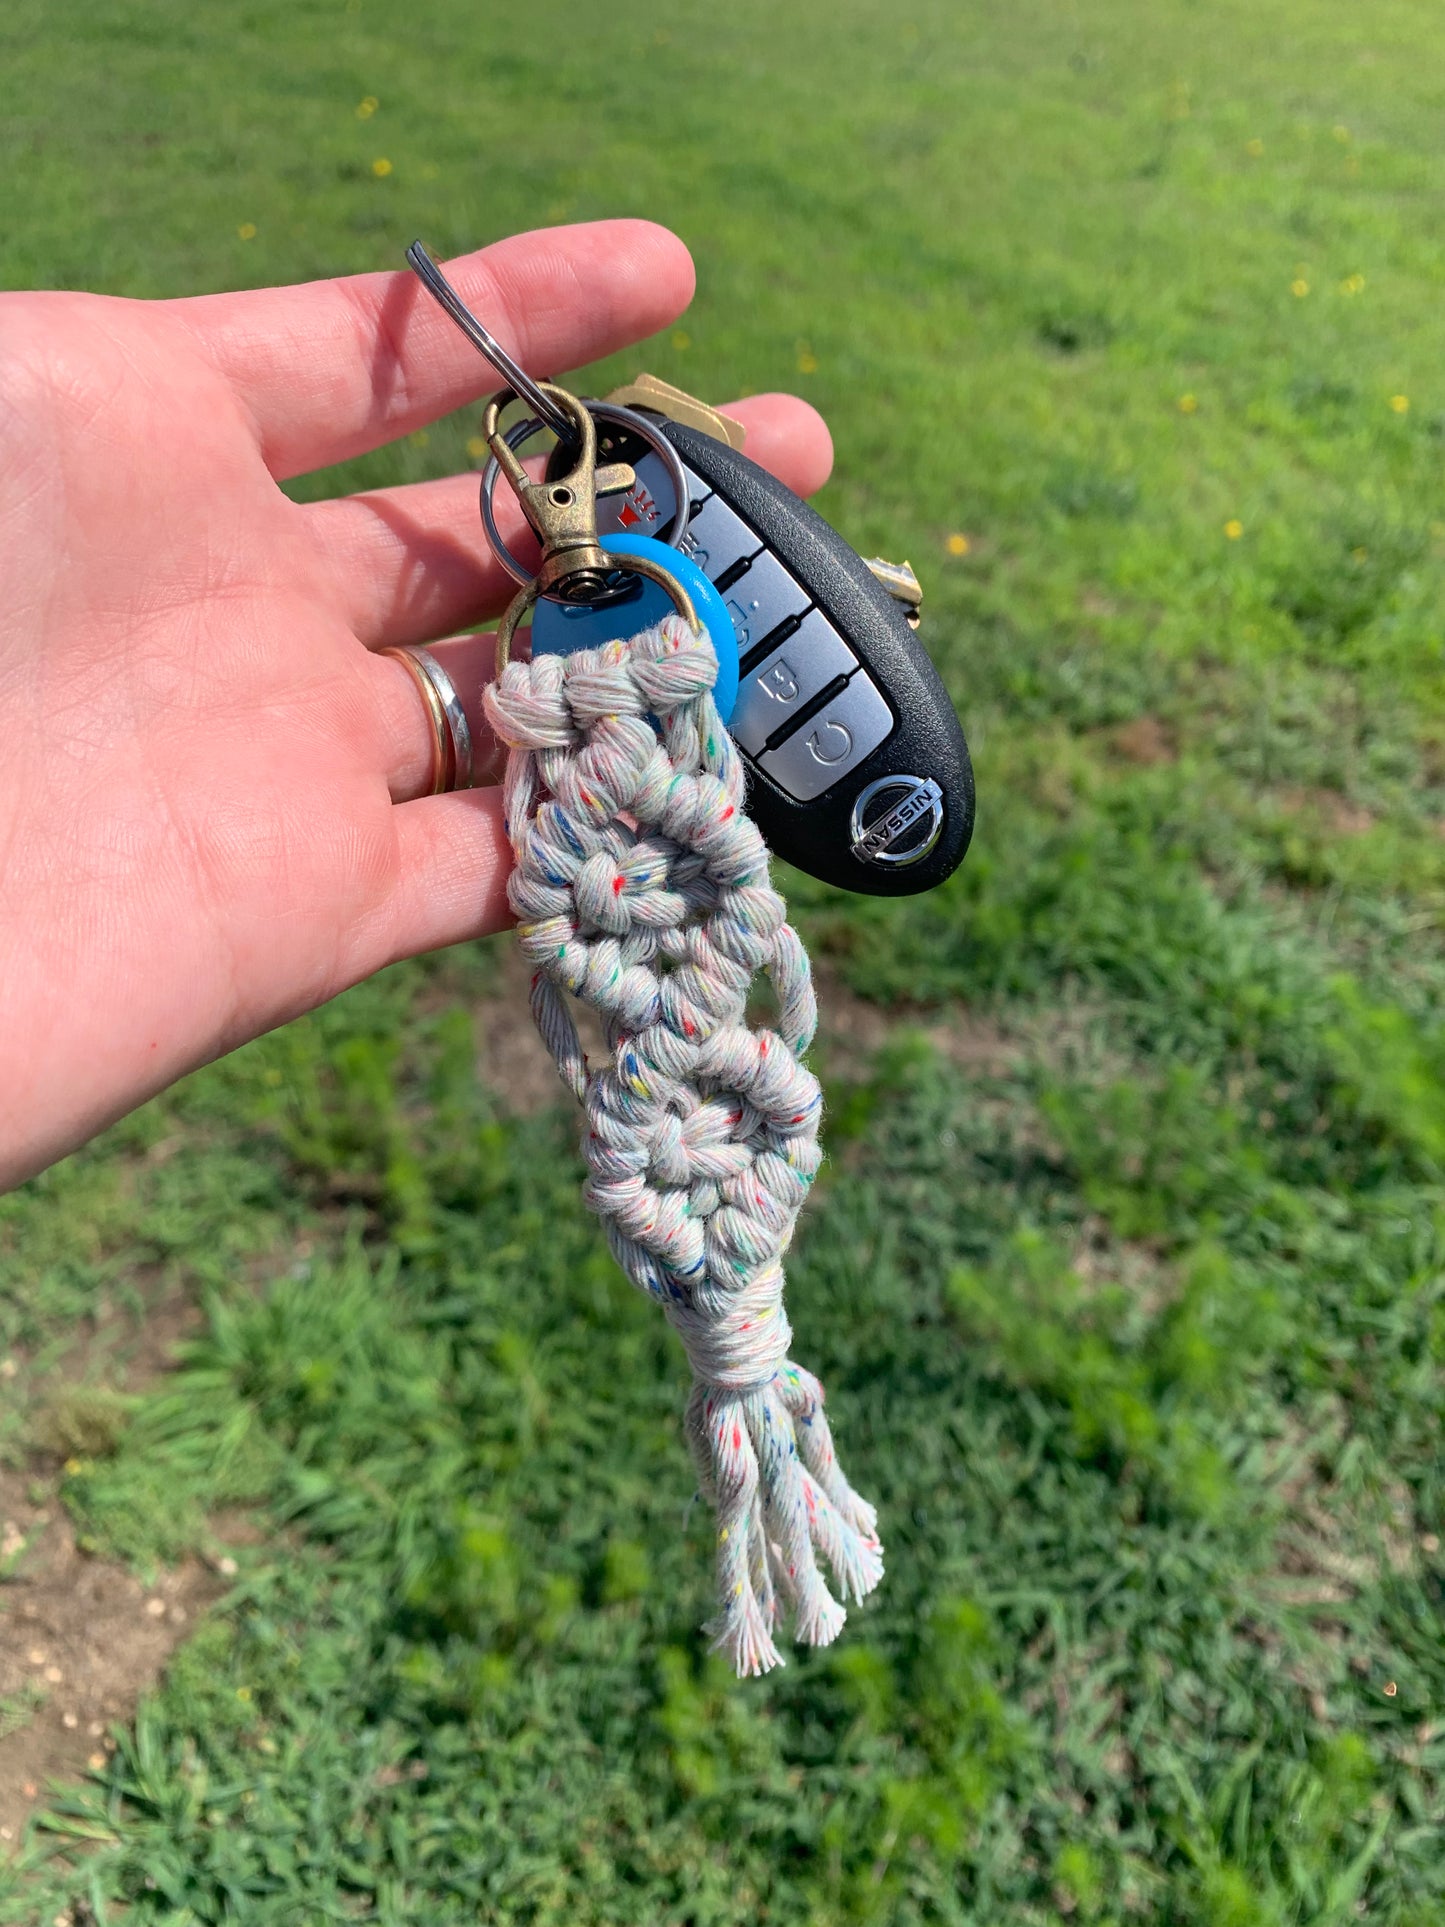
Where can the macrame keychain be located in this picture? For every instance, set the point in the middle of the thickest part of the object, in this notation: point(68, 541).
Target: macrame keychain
point(642, 888)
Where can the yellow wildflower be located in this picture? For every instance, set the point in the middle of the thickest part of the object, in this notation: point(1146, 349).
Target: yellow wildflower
point(477, 447)
point(1299, 287)
point(1234, 528)
point(247, 230)
point(1400, 404)
point(1189, 404)
point(1254, 147)
point(958, 545)
point(366, 108)
point(381, 168)
point(681, 339)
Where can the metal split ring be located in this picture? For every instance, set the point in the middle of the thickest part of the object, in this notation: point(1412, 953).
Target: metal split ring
point(619, 417)
point(451, 733)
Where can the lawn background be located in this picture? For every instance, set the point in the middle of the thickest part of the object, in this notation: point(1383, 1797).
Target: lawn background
point(1126, 1276)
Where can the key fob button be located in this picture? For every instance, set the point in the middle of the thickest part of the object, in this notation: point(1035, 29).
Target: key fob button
point(823, 749)
point(759, 599)
point(716, 539)
point(789, 676)
point(644, 509)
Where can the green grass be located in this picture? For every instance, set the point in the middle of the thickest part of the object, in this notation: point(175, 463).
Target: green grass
point(1135, 1326)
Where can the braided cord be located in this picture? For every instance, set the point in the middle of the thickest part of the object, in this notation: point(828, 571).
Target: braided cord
point(642, 888)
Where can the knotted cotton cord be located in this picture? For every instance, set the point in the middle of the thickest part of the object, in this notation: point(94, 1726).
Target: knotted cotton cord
point(642, 888)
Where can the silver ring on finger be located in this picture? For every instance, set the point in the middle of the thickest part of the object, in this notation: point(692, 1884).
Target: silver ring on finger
point(450, 732)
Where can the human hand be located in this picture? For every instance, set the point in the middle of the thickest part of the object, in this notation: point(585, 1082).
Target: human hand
point(211, 815)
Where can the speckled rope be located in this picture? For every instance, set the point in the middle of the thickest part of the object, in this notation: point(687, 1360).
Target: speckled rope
point(642, 888)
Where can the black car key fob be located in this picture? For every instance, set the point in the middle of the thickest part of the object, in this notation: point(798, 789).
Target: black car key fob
point(859, 773)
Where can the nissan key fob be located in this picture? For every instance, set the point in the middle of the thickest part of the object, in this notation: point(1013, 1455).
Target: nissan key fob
point(859, 773)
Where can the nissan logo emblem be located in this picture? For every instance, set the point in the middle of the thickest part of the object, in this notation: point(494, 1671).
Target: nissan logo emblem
point(896, 819)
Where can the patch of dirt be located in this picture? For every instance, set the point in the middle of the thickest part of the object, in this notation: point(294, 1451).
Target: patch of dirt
point(851, 1032)
point(1332, 1545)
point(513, 1061)
point(80, 1641)
point(1146, 741)
point(1329, 1552)
point(1094, 602)
point(1336, 812)
point(118, 1352)
point(81, 1638)
point(1102, 1261)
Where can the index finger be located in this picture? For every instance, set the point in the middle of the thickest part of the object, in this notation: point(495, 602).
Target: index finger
point(330, 369)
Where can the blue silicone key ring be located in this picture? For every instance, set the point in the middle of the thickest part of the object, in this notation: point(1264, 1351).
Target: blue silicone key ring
point(558, 628)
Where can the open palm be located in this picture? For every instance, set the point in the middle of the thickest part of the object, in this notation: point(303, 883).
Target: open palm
point(210, 808)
